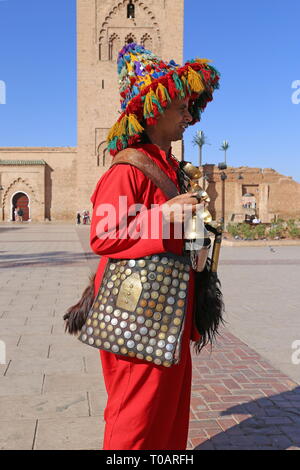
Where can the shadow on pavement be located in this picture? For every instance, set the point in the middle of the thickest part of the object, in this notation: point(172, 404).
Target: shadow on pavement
point(51, 258)
point(274, 425)
point(8, 229)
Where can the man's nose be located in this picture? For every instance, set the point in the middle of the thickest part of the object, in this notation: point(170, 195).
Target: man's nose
point(188, 116)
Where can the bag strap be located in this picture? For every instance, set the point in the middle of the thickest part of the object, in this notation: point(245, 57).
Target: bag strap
point(149, 168)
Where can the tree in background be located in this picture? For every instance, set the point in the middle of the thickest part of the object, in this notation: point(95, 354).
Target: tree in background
point(224, 148)
point(200, 139)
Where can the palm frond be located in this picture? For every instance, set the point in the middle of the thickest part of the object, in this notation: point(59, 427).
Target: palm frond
point(225, 145)
point(200, 139)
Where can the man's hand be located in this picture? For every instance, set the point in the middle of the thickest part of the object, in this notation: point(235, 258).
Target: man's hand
point(173, 210)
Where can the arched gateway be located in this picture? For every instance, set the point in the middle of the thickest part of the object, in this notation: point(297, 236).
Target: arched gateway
point(20, 200)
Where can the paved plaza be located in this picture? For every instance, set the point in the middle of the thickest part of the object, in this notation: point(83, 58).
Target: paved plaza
point(245, 393)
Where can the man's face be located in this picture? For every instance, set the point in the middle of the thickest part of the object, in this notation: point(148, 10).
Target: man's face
point(173, 122)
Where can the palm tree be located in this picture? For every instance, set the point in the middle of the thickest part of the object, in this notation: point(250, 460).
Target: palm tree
point(225, 147)
point(200, 139)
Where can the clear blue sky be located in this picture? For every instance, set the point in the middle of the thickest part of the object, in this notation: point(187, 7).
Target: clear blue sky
point(254, 44)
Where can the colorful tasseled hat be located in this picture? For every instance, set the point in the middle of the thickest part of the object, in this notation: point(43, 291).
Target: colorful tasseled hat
point(148, 84)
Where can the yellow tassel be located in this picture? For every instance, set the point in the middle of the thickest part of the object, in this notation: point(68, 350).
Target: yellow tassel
point(161, 93)
point(147, 79)
point(132, 121)
point(195, 81)
point(148, 105)
point(185, 83)
point(202, 61)
point(118, 129)
point(123, 125)
point(113, 131)
point(130, 64)
point(138, 83)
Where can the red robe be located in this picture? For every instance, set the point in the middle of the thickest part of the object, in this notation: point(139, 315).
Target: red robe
point(148, 405)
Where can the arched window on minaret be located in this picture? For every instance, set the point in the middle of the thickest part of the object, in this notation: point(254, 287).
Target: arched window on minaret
point(130, 10)
point(146, 41)
point(102, 154)
point(130, 38)
point(114, 46)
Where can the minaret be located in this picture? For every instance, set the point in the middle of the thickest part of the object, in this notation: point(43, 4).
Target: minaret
point(103, 27)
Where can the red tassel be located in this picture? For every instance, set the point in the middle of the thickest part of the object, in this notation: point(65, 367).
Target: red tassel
point(172, 88)
point(131, 141)
point(119, 145)
point(134, 139)
point(155, 111)
point(184, 69)
point(135, 106)
point(206, 75)
point(164, 81)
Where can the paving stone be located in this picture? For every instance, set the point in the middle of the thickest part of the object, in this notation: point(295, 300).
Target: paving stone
point(67, 341)
point(75, 348)
point(202, 445)
point(17, 434)
point(97, 401)
point(45, 366)
point(92, 363)
point(84, 433)
point(68, 382)
point(21, 384)
point(10, 340)
point(29, 351)
point(47, 405)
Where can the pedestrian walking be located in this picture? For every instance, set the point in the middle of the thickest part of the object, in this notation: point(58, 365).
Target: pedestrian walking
point(148, 403)
point(78, 217)
point(20, 213)
point(85, 217)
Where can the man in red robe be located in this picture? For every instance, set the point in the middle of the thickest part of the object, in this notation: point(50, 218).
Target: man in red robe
point(148, 405)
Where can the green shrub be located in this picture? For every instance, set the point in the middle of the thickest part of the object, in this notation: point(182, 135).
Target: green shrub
point(246, 231)
point(276, 231)
point(291, 223)
point(294, 232)
point(282, 229)
point(233, 229)
point(259, 231)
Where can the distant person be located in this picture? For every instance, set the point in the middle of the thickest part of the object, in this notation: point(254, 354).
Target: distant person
point(86, 217)
point(16, 214)
point(78, 218)
point(20, 214)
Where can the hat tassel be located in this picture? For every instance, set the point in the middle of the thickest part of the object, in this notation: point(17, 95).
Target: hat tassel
point(195, 81)
point(134, 127)
point(162, 95)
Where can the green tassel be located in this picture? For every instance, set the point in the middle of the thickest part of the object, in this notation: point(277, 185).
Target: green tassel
point(178, 85)
point(155, 101)
point(186, 85)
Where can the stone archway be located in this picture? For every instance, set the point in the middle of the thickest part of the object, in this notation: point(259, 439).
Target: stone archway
point(18, 189)
point(20, 200)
